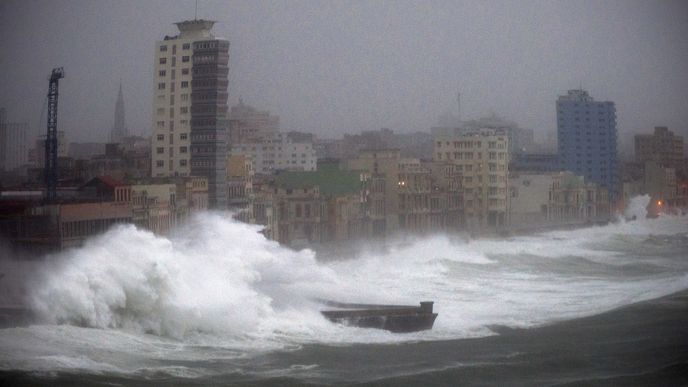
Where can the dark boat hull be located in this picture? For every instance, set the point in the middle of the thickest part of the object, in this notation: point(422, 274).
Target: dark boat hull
point(393, 318)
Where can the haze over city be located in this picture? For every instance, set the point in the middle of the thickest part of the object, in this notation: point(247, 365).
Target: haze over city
point(342, 67)
point(332, 192)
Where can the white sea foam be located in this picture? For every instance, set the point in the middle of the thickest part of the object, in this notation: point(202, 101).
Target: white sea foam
point(217, 289)
point(637, 207)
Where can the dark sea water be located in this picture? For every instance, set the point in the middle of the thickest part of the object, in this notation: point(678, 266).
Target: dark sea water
point(217, 304)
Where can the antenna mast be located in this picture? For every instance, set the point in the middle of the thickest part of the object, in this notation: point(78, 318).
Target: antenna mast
point(458, 100)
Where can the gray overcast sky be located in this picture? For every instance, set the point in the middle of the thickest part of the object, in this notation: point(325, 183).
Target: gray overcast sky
point(343, 66)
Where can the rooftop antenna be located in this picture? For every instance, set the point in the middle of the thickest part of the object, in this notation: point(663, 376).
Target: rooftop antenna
point(458, 100)
point(196, 10)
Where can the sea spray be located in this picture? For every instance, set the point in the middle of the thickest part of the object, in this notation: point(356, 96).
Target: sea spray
point(637, 207)
point(214, 275)
point(219, 282)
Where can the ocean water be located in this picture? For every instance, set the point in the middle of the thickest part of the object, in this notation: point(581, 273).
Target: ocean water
point(218, 303)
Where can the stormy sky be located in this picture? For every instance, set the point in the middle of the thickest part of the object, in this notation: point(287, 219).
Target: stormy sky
point(333, 67)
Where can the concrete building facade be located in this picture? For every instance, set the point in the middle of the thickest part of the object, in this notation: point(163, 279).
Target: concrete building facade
point(554, 199)
point(209, 134)
point(430, 196)
point(14, 150)
point(190, 107)
point(586, 131)
point(277, 153)
point(663, 147)
point(380, 174)
point(482, 157)
point(247, 124)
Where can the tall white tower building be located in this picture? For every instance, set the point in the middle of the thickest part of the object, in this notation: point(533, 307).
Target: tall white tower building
point(191, 73)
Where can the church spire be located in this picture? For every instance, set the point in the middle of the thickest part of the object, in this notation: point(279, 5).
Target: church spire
point(119, 130)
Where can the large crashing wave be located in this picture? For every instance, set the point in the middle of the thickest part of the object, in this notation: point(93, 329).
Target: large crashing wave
point(214, 275)
point(223, 278)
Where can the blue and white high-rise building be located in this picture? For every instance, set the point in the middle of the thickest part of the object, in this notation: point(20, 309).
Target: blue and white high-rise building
point(586, 132)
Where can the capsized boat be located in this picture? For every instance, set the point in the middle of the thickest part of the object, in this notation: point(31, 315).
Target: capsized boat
point(394, 318)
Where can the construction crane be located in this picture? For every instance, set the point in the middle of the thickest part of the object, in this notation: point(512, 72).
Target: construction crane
point(51, 138)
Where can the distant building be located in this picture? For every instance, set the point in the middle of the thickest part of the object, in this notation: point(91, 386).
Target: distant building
point(303, 208)
point(94, 207)
point(380, 168)
point(239, 183)
point(413, 145)
point(37, 154)
point(534, 162)
point(86, 150)
point(277, 152)
point(660, 183)
point(14, 150)
point(430, 196)
point(521, 140)
point(247, 124)
point(482, 157)
point(587, 139)
point(351, 144)
point(127, 160)
point(663, 147)
point(119, 129)
point(551, 199)
point(154, 206)
point(575, 200)
point(190, 107)
point(31, 226)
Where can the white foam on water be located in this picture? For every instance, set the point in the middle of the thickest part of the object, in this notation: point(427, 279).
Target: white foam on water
point(217, 289)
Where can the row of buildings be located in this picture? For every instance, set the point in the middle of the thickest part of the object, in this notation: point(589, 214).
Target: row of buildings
point(30, 225)
point(485, 175)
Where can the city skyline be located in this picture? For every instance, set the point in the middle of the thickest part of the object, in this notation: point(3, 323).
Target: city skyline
point(335, 68)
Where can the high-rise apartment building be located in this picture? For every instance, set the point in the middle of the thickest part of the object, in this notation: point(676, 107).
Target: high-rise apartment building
point(482, 157)
point(663, 146)
point(587, 138)
point(190, 107)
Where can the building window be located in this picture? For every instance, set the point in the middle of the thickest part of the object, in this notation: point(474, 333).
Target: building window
point(185, 58)
point(185, 84)
point(183, 136)
point(163, 60)
point(161, 111)
point(185, 71)
point(159, 150)
point(182, 149)
point(162, 73)
point(163, 48)
point(161, 137)
point(161, 124)
point(182, 163)
point(161, 86)
point(160, 163)
point(185, 97)
point(183, 110)
point(186, 46)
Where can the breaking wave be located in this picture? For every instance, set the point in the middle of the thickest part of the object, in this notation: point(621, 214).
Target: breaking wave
point(218, 288)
